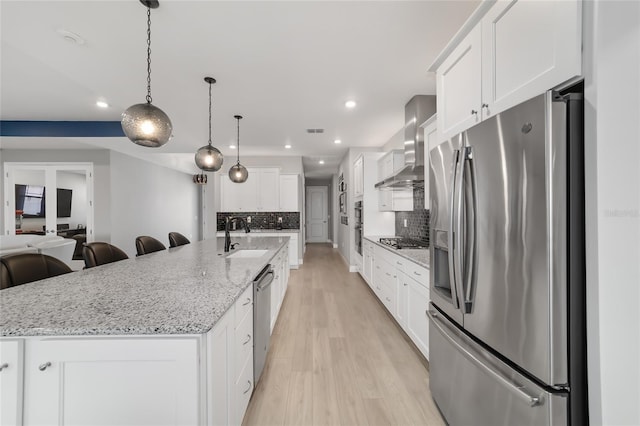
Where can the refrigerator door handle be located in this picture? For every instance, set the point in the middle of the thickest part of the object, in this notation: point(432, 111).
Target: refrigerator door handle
point(459, 231)
point(520, 391)
point(469, 207)
point(452, 216)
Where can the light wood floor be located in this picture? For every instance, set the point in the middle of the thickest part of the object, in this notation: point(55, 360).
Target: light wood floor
point(337, 358)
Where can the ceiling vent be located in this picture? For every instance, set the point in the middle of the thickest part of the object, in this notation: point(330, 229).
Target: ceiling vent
point(315, 130)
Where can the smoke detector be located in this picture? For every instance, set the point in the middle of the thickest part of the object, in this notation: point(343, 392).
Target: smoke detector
point(71, 37)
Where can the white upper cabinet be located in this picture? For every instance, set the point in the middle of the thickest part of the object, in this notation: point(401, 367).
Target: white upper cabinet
point(528, 47)
point(268, 189)
point(514, 50)
point(358, 177)
point(431, 140)
point(261, 192)
point(397, 199)
point(289, 193)
point(459, 86)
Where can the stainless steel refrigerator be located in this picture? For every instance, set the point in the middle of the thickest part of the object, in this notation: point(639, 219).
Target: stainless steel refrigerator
point(507, 315)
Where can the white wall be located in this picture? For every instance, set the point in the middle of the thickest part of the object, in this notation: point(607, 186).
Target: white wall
point(101, 179)
point(612, 143)
point(148, 199)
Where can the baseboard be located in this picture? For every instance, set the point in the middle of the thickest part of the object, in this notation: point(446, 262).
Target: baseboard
point(353, 268)
point(335, 246)
point(300, 262)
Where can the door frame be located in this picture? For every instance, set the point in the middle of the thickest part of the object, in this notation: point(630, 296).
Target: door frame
point(325, 190)
point(49, 169)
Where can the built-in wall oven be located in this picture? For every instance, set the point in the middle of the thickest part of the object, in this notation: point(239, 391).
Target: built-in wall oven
point(358, 226)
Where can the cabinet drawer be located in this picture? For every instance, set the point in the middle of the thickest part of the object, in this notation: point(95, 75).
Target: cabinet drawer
point(417, 272)
point(244, 305)
point(243, 343)
point(243, 390)
point(387, 271)
point(382, 253)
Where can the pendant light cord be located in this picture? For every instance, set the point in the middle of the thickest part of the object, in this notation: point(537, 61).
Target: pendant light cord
point(209, 113)
point(238, 140)
point(148, 55)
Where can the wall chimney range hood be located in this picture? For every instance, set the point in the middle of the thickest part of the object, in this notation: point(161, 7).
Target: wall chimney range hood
point(416, 112)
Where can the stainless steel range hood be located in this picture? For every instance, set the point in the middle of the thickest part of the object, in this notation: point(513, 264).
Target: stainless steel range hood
point(416, 112)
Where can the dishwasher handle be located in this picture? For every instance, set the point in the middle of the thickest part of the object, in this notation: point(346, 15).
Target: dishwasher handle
point(264, 280)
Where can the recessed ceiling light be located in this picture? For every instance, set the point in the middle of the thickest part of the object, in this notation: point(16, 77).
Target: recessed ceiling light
point(337, 141)
point(232, 146)
point(350, 104)
point(321, 162)
point(102, 104)
point(287, 146)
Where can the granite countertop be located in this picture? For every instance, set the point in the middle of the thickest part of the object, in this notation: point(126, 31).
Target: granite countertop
point(182, 290)
point(419, 256)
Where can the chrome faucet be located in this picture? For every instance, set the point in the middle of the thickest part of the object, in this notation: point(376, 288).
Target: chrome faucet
point(227, 236)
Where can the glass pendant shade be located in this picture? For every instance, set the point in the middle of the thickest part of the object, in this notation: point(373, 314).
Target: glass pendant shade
point(146, 125)
point(209, 158)
point(238, 173)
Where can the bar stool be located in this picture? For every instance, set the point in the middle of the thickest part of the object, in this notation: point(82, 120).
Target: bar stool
point(24, 268)
point(177, 239)
point(98, 253)
point(146, 245)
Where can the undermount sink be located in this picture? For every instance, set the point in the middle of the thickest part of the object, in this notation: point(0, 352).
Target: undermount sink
point(248, 253)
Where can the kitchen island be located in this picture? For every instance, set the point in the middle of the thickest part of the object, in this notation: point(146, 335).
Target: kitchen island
point(165, 338)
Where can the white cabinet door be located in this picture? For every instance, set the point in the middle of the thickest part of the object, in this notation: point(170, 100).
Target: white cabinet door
point(240, 197)
point(385, 200)
point(268, 186)
point(220, 368)
point(403, 300)
point(358, 177)
point(529, 47)
point(430, 141)
point(11, 379)
point(289, 193)
point(293, 251)
point(417, 325)
point(112, 381)
point(459, 86)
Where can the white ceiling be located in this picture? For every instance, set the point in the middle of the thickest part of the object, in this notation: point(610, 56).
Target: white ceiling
point(285, 66)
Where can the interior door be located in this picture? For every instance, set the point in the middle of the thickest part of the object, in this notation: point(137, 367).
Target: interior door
point(55, 199)
point(317, 214)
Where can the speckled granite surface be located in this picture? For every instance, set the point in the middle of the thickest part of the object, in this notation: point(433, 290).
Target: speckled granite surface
point(183, 290)
point(419, 256)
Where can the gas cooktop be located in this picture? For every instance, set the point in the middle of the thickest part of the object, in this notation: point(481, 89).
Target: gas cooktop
point(404, 243)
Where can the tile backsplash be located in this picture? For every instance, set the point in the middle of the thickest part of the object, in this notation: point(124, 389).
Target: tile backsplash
point(417, 220)
point(262, 220)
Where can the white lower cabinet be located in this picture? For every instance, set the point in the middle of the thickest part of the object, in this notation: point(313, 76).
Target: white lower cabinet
point(114, 381)
point(416, 303)
point(11, 380)
point(220, 371)
point(403, 288)
point(279, 285)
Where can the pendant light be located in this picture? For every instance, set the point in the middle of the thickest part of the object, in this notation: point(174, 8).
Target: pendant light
point(238, 173)
point(146, 124)
point(208, 157)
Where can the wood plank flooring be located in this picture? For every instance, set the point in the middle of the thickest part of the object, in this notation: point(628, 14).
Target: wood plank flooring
point(337, 357)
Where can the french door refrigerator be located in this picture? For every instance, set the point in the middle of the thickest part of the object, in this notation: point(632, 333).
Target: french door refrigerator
point(507, 335)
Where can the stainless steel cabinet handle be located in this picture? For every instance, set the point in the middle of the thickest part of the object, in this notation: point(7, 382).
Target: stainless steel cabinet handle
point(388, 300)
point(474, 112)
point(417, 273)
point(405, 284)
point(249, 388)
point(44, 366)
point(247, 302)
point(248, 339)
point(3, 366)
point(399, 263)
point(520, 391)
point(388, 274)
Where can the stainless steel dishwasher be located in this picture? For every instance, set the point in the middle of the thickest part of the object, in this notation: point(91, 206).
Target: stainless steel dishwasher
point(261, 319)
